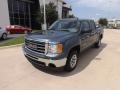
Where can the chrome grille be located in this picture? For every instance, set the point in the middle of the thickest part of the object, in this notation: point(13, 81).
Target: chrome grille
point(35, 46)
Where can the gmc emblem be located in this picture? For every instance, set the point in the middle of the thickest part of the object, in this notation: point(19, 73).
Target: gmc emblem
point(32, 46)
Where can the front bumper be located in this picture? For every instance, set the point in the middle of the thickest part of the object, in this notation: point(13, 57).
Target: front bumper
point(37, 59)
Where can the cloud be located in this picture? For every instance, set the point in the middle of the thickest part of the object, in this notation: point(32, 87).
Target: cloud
point(105, 5)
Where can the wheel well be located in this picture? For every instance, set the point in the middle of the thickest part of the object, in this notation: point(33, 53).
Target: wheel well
point(4, 33)
point(75, 48)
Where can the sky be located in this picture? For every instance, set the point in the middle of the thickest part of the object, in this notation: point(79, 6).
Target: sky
point(95, 9)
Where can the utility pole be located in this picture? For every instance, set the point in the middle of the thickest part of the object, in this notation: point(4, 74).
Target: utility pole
point(29, 15)
point(45, 24)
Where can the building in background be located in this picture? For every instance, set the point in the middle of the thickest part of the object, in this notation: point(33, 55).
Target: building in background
point(62, 7)
point(66, 10)
point(16, 12)
point(4, 15)
point(23, 12)
point(19, 12)
point(114, 23)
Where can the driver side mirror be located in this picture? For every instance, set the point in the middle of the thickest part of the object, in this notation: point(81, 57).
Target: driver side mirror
point(0, 28)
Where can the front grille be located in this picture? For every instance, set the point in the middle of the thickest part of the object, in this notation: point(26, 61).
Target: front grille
point(35, 46)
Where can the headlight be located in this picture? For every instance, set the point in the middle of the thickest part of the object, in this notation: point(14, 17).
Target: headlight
point(55, 48)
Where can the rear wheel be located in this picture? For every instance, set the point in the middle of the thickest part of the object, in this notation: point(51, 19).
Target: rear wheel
point(72, 61)
point(25, 32)
point(98, 44)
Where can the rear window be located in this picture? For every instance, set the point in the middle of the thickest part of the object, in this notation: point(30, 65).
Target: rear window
point(85, 25)
point(18, 27)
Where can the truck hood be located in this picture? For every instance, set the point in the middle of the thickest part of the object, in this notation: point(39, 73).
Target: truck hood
point(50, 35)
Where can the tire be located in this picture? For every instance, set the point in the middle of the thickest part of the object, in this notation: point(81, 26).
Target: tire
point(4, 36)
point(71, 61)
point(98, 44)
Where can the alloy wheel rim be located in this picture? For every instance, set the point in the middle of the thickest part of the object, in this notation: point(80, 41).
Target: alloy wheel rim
point(99, 42)
point(4, 36)
point(73, 61)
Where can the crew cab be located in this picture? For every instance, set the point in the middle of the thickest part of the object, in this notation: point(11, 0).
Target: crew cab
point(61, 44)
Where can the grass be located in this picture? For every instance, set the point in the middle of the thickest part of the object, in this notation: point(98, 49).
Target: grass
point(14, 41)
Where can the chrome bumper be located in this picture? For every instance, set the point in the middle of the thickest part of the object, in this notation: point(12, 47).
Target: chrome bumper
point(47, 62)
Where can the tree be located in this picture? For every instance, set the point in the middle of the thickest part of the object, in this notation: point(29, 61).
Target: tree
point(103, 21)
point(51, 14)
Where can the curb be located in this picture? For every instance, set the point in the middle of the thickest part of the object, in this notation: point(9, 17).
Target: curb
point(11, 46)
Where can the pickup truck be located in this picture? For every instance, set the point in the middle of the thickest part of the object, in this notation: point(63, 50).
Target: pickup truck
point(61, 44)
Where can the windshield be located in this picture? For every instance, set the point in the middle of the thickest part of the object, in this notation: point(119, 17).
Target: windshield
point(64, 25)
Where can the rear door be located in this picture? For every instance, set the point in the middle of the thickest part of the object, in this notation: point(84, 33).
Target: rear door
point(85, 37)
point(93, 35)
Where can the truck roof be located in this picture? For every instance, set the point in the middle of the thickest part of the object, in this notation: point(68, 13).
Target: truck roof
point(77, 19)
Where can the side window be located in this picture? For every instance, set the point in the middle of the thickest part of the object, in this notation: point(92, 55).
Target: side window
point(85, 26)
point(18, 27)
point(92, 25)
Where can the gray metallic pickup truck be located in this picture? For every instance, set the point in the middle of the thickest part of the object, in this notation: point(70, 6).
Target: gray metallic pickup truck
point(61, 44)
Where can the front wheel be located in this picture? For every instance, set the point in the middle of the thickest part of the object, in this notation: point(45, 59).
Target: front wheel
point(4, 36)
point(72, 61)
